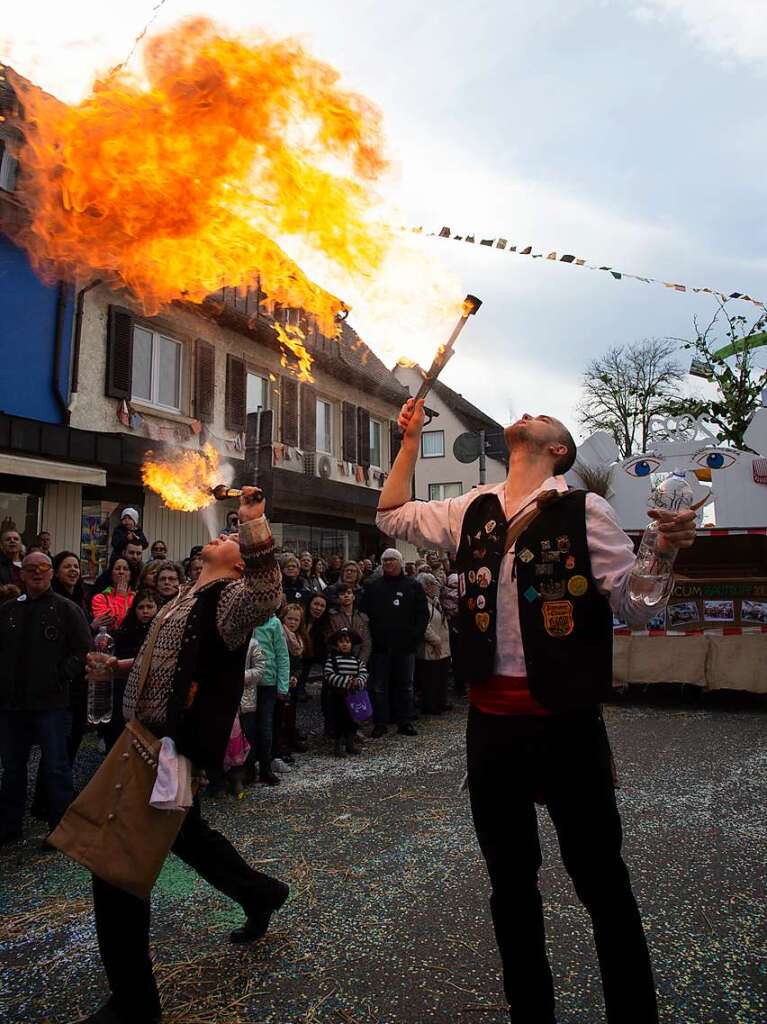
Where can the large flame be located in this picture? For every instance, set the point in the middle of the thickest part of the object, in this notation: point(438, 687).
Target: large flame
point(183, 478)
point(187, 179)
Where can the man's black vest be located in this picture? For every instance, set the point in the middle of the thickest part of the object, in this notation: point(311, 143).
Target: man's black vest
point(566, 623)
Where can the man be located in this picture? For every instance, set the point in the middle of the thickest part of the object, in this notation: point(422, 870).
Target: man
point(11, 553)
point(44, 542)
point(535, 644)
point(306, 561)
point(398, 612)
point(158, 551)
point(191, 694)
point(43, 642)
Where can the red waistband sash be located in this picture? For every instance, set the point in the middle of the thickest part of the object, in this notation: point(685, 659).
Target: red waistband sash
point(505, 695)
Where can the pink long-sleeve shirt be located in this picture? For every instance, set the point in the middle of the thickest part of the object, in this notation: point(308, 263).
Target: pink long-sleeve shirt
point(438, 524)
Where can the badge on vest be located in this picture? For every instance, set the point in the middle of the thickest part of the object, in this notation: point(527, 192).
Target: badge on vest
point(558, 618)
point(552, 590)
point(546, 569)
point(525, 555)
point(471, 604)
point(484, 577)
point(480, 602)
point(570, 562)
point(490, 526)
point(550, 556)
point(563, 544)
point(531, 594)
point(461, 585)
point(578, 585)
point(482, 620)
point(472, 576)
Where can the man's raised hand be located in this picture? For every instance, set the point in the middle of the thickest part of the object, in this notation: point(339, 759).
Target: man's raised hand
point(411, 419)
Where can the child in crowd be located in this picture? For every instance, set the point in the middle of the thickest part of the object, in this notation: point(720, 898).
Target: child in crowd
point(255, 668)
point(128, 640)
point(297, 639)
point(344, 672)
point(128, 531)
point(273, 688)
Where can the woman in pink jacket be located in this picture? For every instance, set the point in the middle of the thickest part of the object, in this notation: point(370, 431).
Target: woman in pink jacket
point(111, 606)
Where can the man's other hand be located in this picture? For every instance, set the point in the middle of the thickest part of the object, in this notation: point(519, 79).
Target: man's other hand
point(675, 529)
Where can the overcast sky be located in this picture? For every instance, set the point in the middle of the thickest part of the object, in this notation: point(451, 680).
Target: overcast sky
point(628, 132)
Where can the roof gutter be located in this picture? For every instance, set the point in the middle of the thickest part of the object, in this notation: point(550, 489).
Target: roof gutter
point(75, 382)
point(58, 335)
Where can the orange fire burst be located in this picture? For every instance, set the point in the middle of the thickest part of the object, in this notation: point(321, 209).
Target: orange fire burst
point(184, 478)
point(181, 182)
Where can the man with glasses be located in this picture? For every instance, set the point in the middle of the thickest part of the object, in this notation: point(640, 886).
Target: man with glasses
point(43, 642)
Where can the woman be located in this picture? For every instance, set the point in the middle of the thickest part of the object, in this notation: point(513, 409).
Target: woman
point(68, 578)
point(350, 577)
point(111, 606)
point(148, 578)
point(317, 627)
point(317, 575)
point(128, 640)
point(293, 583)
point(168, 581)
point(346, 616)
point(432, 659)
point(297, 638)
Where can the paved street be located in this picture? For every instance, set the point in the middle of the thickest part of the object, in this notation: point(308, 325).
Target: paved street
point(388, 920)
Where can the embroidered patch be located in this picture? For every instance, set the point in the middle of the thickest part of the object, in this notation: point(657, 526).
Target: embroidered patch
point(578, 585)
point(471, 604)
point(481, 602)
point(570, 562)
point(51, 633)
point(490, 526)
point(558, 618)
point(546, 569)
point(563, 543)
point(525, 555)
point(550, 556)
point(482, 620)
point(472, 576)
point(552, 590)
point(531, 594)
point(545, 545)
point(484, 577)
point(395, 602)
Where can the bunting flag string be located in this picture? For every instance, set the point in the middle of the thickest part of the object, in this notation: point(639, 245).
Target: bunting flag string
point(618, 275)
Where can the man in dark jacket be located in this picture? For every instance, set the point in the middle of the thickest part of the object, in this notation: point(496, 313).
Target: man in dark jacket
point(398, 612)
point(43, 642)
point(11, 549)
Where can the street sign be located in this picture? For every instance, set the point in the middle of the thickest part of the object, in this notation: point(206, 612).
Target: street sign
point(466, 447)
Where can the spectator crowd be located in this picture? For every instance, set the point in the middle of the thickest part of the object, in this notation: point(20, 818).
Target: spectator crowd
point(370, 641)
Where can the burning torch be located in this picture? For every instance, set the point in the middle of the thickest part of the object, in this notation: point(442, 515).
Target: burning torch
point(470, 306)
point(221, 492)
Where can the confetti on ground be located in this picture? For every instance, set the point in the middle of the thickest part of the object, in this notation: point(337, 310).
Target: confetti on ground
point(388, 922)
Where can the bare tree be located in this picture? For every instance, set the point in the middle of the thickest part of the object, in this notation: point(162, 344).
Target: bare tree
point(623, 389)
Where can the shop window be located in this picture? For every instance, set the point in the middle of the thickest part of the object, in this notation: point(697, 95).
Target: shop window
point(21, 512)
point(98, 520)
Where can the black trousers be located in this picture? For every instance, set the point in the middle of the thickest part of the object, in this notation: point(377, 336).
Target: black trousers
point(122, 920)
point(566, 760)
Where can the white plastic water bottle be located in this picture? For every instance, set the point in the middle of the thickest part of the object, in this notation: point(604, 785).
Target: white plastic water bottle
point(650, 576)
point(101, 681)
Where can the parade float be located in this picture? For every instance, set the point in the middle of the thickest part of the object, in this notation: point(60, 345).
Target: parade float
point(713, 633)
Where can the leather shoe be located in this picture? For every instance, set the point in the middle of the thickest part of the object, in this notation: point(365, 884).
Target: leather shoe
point(408, 729)
point(257, 925)
point(379, 730)
point(269, 778)
point(107, 1015)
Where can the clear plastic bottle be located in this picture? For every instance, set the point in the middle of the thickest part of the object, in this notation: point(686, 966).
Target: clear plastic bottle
point(649, 579)
point(101, 681)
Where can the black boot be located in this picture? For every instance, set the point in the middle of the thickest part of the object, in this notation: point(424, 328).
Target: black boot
point(257, 924)
point(339, 747)
point(267, 776)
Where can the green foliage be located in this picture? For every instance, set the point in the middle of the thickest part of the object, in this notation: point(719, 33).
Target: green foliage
point(738, 380)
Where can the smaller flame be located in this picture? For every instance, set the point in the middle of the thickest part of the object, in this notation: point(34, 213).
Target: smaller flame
point(184, 478)
point(292, 341)
point(409, 364)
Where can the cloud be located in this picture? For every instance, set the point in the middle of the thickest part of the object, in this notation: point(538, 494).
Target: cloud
point(733, 29)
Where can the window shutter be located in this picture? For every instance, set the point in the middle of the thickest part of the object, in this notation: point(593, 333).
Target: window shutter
point(308, 418)
point(350, 432)
point(236, 384)
point(289, 411)
point(119, 353)
point(363, 437)
point(395, 440)
point(204, 380)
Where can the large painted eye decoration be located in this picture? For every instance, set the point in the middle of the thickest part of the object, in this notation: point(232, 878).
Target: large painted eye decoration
point(715, 459)
point(642, 467)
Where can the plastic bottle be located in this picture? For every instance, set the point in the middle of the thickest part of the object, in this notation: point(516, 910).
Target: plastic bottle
point(651, 574)
point(101, 681)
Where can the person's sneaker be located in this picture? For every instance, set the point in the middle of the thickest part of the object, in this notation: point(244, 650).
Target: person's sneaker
point(408, 729)
point(379, 730)
point(257, 925)
point(279, 766)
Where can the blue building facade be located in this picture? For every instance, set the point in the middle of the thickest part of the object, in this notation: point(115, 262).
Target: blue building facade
point(36, 325)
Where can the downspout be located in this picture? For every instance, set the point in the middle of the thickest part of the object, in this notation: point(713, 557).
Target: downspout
point(76, 339)
point(58, 333)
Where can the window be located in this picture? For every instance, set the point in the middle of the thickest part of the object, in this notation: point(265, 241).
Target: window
point(438, 492)
point(8, 169)
point(258, 393)
point(433, 444)
point(324, 426)
point(376, 455)
point(156, 369)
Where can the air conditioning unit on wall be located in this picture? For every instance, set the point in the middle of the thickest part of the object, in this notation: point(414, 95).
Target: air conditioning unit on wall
point(325, 467)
